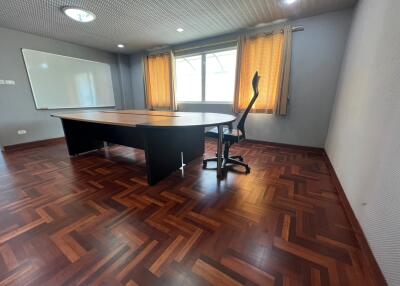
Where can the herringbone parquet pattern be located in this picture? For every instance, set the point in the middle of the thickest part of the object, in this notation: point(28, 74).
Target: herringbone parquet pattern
point(92, 220)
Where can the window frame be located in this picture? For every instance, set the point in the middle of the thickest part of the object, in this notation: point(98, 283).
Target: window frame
point(203, 73)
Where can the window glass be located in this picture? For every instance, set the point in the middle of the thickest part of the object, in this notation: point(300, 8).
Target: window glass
point(218, 84)
point(188, 78)
point(220, 76)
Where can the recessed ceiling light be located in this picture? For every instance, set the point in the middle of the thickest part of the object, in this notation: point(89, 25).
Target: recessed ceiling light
point(180, 30)
point(121, 46)
point(289, 2)
point(79, 14)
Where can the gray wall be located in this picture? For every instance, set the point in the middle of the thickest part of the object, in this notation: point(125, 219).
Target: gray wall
point(17, 107)
point(363, 142)
point(137, 68)
point(125, 72)
point(317, 57)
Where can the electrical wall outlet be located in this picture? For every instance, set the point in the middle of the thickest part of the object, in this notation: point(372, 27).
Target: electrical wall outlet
point(21, 132)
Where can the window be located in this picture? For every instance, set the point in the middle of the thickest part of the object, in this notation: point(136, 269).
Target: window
point(220, 76)
point(208, 77)
point(188, 78)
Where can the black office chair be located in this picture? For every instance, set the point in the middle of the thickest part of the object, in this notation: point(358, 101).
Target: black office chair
point(232, 136)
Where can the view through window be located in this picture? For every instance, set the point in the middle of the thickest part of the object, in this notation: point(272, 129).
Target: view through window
point(208, 77)
point(188, 78)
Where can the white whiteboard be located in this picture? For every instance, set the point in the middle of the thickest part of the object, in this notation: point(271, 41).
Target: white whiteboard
point(65, 82)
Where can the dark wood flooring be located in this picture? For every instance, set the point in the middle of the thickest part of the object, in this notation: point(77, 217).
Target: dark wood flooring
point(92, 220)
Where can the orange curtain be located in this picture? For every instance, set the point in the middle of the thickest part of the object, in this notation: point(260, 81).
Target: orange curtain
point(270, 56)
point(160, 82)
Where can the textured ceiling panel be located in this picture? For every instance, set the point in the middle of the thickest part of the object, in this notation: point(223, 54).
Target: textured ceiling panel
point(143, 24)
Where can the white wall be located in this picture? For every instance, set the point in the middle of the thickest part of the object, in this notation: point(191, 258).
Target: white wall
point(363, 142)
point(317, 57)
point(17, 107)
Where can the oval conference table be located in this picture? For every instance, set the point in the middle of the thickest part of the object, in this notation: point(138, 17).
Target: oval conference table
point(164, 136)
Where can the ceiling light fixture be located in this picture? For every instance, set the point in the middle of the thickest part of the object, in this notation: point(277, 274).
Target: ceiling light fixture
point(121, 46)
point(180, 30)
point(289, 2)
point(79, 14)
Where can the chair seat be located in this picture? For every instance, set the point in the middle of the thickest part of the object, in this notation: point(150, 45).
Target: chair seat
point(231, 135)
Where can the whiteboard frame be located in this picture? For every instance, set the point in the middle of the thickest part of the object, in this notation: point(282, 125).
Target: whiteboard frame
point(78, 107)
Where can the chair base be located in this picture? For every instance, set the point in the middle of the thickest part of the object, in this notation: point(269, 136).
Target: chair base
point(227, 161)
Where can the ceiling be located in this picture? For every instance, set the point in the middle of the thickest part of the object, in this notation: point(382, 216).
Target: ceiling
point(143, 24)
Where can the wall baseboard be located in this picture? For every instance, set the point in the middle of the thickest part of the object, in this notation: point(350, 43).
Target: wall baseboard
point(374, 272)
point(62, 140)
point(34, 144)
point(283, 145)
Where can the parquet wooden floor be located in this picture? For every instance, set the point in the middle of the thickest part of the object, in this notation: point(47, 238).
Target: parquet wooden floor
point(92, 220)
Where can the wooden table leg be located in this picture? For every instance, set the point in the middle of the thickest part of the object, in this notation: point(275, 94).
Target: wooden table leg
point(219, 152)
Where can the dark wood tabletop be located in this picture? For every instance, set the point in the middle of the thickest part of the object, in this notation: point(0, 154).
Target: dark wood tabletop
point(150, 119)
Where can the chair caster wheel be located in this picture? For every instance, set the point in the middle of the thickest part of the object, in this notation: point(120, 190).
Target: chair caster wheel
point(240, 159)
point(248, 170)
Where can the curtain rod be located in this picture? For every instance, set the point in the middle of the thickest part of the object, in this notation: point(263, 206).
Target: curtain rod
point(207, 45)
point(294, 29)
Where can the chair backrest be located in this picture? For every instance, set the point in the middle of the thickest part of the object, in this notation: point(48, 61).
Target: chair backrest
point(240, 125)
